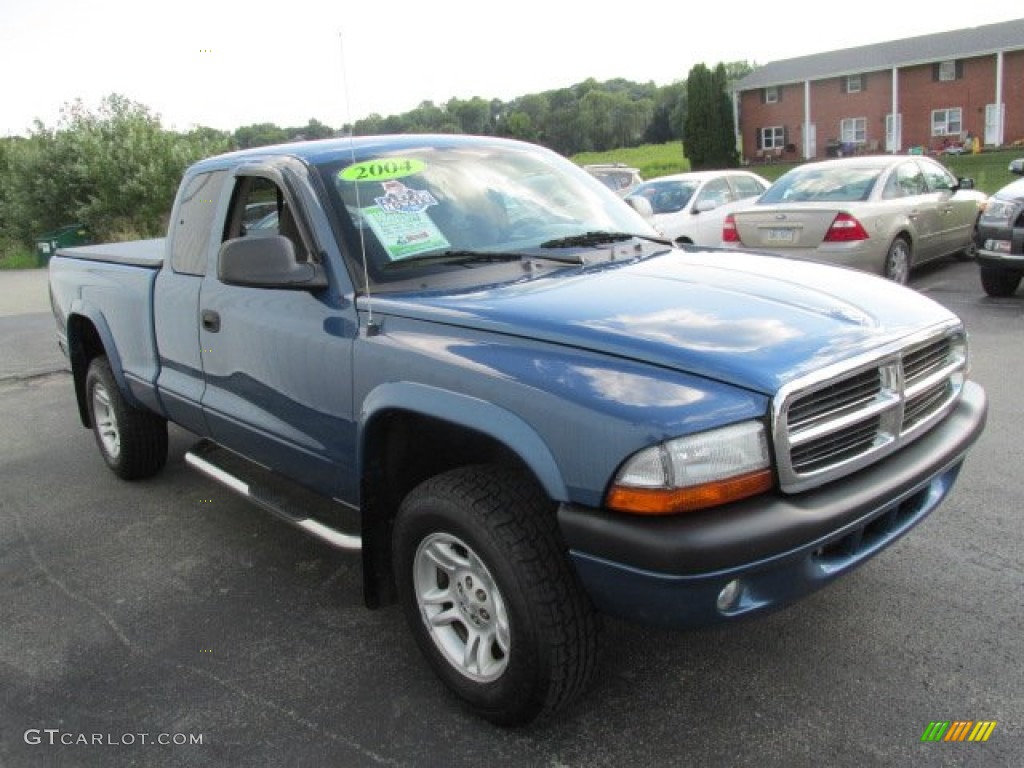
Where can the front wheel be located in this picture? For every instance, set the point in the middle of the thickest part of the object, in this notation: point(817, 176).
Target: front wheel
point(897, 261)
point(490, 595)
point(132, 441)
point(999, 283)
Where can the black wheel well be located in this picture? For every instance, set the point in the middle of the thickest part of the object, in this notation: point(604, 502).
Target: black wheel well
point(84, 345)
point(401, 449)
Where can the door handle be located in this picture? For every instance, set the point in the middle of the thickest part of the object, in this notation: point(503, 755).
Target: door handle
point(211, 320)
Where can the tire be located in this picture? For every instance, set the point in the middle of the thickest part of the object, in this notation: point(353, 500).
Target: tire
point(132, 441)
point(999, 283)
point(490, 595)
point(898, 260)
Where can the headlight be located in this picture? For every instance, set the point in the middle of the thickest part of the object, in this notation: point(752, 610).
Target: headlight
point(694, 472)
point(999, 212)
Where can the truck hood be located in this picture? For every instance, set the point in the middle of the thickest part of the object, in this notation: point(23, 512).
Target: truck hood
point(746, 319)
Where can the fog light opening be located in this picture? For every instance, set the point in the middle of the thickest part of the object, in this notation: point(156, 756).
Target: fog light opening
point(730, 595)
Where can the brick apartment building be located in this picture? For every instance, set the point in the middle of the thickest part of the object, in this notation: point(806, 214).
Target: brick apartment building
point(935, 92)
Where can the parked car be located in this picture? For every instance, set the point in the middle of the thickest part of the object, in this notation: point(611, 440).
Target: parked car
point(689, 208)
point(1000, 241)
point(884, 214)
point(619, 178)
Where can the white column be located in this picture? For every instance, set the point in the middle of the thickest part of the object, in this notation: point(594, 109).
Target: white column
point(897, 128)
point(1000, 112)
point(807, 120)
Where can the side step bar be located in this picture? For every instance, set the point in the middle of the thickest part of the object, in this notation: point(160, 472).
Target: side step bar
point(272, 493)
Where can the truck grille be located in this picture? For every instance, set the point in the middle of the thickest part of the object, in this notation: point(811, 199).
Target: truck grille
point(848, 416)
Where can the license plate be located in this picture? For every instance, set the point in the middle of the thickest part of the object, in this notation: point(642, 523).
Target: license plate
point(780, 235)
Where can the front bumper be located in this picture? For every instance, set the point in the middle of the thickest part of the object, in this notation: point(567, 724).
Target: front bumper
point(672, 571)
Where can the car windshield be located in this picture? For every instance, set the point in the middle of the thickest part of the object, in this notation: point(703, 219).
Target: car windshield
point(414, 203)
point(841, 185)
point(667, 196)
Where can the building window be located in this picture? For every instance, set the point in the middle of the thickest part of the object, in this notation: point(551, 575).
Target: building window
point(853, 130)
point(854, 84)
point(947, 70)
point(947, 122)
point(771, 95)
point(773, 138)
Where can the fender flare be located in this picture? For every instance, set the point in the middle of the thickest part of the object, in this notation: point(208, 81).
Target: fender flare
point(472, 413)
point(83, 312)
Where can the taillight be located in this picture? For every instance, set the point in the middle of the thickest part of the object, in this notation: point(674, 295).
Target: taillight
point(845, 229)
point(729, 232)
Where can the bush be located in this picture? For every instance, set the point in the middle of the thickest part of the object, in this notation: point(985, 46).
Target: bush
point(115, 170)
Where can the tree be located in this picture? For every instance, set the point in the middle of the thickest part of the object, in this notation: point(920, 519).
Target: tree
point(115, 170)
point(709, 135)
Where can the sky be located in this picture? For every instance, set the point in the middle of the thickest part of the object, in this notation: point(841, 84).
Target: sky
point(226, 63)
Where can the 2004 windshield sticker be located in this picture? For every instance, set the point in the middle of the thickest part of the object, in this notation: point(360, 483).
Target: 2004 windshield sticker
point(400, 221)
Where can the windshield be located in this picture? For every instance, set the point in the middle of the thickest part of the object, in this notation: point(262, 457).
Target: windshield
point(837, 184)
point(482, 197)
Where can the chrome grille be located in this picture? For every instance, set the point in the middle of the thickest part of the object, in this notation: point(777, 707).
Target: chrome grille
point(850, 415)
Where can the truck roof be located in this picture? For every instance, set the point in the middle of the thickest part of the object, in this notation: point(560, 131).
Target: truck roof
point(328, 150)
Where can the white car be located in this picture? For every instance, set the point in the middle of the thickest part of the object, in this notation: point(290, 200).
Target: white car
point(689, 208)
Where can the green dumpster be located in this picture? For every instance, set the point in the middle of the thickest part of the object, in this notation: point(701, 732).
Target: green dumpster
point(62, 237)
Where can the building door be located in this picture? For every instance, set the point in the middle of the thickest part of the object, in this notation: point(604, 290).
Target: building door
point(994, 123)
point(893, 132)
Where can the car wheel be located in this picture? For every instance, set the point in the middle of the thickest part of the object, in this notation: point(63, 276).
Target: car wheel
point(132, 441)
point(898, 260)
point(490, 595)
point(999, 283)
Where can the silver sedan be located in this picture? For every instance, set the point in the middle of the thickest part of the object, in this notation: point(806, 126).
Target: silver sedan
point(883, 214)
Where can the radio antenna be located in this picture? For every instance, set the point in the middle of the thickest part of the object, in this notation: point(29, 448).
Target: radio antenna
point(371, 328)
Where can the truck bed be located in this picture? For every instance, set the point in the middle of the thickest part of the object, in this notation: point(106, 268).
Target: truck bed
point(111, 285)
point(137, 253)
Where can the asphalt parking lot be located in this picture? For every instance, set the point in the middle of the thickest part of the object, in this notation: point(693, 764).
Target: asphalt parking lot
point(170, 610)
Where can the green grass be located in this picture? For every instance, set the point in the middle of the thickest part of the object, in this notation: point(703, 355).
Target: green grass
point(652, 160)
point(16, 257)
point(988, 169)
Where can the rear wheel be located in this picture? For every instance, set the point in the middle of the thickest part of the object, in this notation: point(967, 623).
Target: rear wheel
point(999, 282)
point(897, 261)
point(490, 595)
point(132, 441)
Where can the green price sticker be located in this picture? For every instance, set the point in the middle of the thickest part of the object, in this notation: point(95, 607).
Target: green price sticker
point(382, 170)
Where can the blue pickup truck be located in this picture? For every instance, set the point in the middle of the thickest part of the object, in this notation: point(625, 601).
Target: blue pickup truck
point(468, 360)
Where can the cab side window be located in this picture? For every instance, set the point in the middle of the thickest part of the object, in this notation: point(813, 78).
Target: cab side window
point(259, 208)
point(193, 222)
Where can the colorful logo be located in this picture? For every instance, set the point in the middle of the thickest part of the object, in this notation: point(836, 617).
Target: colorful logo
point(958, 730)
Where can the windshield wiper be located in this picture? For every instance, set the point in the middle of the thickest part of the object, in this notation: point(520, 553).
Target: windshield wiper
point(454, 257)
point(587, 239)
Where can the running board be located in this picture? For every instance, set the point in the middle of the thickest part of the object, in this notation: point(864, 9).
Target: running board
point(278, 496)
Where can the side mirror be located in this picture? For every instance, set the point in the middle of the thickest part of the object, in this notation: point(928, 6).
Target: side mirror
point(1017, 166)
point(266, 262)
point(641, 205)
point(964, 183)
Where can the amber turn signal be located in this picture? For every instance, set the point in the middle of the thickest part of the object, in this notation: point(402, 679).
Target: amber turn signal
point(669, 501)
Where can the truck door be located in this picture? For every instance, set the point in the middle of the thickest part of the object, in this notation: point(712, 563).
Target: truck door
point(176, 297)
point(277, 361)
